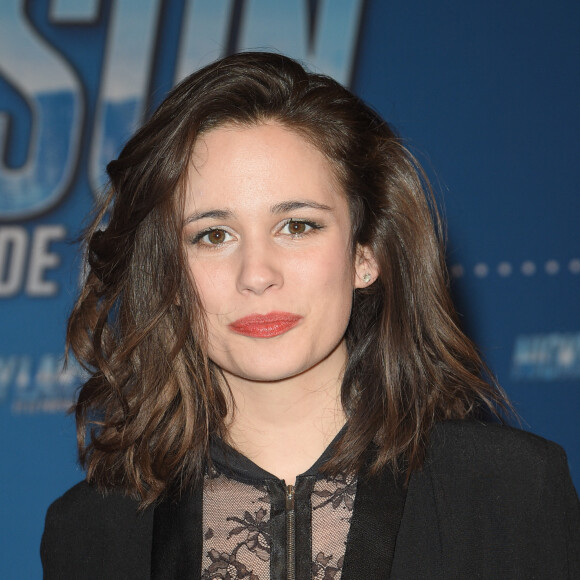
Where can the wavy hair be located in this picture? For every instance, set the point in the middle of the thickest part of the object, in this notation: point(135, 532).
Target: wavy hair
point(153, 399)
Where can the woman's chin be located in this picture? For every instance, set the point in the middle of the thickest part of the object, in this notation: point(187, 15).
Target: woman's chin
point(261, 373)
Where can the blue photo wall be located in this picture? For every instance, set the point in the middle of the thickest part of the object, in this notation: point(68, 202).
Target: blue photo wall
point(485, 93)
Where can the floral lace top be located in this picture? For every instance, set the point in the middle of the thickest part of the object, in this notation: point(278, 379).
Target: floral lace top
point(255, 527)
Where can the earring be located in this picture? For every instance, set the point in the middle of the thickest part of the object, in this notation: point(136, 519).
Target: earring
point(366, 278)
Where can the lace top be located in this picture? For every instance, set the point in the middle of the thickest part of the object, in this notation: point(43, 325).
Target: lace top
point(256, 527)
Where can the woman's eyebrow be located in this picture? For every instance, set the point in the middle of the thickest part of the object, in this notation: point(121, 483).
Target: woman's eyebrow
point(287, 206)
point(218, 214)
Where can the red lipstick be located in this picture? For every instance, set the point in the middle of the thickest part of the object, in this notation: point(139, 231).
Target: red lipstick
point(265, 325)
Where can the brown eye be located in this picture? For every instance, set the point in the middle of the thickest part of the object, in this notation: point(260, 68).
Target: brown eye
point(216, 237)
point(297, 227)
point(212, 237)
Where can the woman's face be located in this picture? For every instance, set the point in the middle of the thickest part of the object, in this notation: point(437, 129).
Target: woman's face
point(267, 231)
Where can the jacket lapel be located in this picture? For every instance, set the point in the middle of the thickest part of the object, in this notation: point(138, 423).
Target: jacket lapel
point(177, 541)
point(377, 514)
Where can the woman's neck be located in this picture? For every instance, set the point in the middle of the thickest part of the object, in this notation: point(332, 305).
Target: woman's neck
point(286, 425)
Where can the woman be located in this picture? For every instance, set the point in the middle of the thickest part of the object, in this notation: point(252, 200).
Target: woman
point(279, 387)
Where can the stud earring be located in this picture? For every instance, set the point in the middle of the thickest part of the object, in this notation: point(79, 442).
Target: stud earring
point(366, 278)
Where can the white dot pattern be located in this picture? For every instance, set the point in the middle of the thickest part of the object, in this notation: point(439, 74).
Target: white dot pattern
point(504, 269)
point(526, 268)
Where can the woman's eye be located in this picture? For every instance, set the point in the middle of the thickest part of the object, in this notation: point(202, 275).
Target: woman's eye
point(298, 228)
point(213, 237)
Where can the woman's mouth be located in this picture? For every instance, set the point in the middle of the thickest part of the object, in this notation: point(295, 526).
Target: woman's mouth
point(265, 325)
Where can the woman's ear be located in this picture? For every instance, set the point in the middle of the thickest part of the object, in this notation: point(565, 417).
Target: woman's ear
point(366, 269)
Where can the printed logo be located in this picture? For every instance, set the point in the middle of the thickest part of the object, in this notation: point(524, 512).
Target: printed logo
point(39, 385)
point(546, 357)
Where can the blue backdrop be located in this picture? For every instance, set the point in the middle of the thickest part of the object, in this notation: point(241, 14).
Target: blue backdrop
point(486, 94)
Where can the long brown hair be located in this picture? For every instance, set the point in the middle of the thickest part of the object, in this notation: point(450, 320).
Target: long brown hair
point(145, 416)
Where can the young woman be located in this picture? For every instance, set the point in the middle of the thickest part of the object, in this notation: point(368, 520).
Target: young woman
point(279, 387)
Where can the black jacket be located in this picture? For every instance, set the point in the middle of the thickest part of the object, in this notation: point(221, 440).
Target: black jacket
point(491, 502)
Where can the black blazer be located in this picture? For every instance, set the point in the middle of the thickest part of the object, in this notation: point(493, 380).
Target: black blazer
point(491, 502)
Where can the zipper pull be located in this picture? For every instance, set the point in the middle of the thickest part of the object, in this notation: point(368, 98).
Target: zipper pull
point(289, 498)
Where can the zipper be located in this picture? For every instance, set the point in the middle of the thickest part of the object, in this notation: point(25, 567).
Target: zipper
point(290, 534)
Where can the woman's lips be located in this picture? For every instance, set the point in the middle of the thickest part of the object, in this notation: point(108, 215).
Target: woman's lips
point(265, 325)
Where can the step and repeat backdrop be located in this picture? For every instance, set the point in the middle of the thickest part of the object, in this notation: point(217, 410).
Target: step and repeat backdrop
point(485, 93)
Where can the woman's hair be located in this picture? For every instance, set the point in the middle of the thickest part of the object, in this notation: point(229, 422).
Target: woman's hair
point(145, 416)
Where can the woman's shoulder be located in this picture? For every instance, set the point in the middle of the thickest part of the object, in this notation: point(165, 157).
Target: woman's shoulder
point(492, 446)
point(84, 500)
point(487, 459)
point(84, 524)
point(504, 490)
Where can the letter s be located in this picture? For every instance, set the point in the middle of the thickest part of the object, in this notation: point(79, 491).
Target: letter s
point(48, 85)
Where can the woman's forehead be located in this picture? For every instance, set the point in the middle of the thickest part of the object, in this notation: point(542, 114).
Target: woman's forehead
point(265, 165)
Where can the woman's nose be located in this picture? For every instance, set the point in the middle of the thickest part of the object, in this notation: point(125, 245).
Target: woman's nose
point(260, 268)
